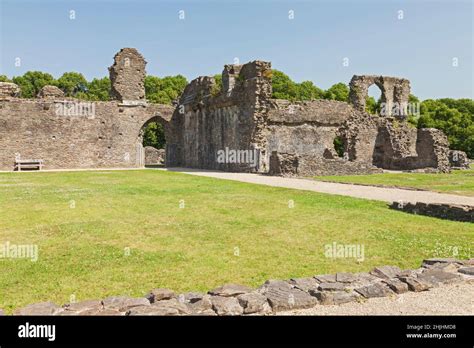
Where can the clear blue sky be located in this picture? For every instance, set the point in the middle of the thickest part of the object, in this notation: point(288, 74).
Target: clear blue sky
point(420, 47)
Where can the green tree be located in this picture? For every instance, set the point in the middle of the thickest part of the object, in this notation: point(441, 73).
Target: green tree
point(4, 78)
point(154, 135)
point(32, 81)
point(71, 83)
point(306, 90)
point(454, 117)
point(371, 105)
point(217, 88)
point(283, 87)
point(99, 89)
point(339, 92)
point(164, 90)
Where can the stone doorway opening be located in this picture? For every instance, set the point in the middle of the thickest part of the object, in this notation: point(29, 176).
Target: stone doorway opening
point(152, 139)
point(373, 100)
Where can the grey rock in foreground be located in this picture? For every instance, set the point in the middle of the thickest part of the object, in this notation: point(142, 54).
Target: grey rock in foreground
point(83, 306)
point(334, 297)
point(386, 272)
point(273, 295)
point(230, 290)
point(304, 284)
point(42, 308)
point(281, 296)
point(436, 276)
point(201, 306)
point(159, 294)
point(415, 284)
point(226, 305)
point(123, 303)
point(164, 307)
point(332, 287)
point(254, 303)
point(432, 261)
point(467, 270)
point(346, 277)
point(374, 290)
point(396, 285)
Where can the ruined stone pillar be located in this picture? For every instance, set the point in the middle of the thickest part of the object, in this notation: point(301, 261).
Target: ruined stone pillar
point(229, 75)
point(401, 96)
point(127, 76)
point(358, 90)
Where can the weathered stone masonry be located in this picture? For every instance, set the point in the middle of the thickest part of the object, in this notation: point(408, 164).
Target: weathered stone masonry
point(297, 138)
point(69, 133)
point(287, 138)
point(274, 295)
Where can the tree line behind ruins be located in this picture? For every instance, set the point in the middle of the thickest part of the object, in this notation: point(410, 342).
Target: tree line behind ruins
point(455, 117)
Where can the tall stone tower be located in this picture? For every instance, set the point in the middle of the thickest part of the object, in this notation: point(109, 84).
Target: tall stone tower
point(127, 76)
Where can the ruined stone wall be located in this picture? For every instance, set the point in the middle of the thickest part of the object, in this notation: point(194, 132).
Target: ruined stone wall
point(458, 159)
point(394, 92)
point(300, 139)
point(464, 213)
point(233, 127)
point(389, 139)
point(71, 133)
point(50, 130)
point(127, 76)
point(210, 120)
point(154, 156)
point(305, 127)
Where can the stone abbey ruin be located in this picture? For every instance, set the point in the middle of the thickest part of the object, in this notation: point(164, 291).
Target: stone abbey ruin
point(257, 132)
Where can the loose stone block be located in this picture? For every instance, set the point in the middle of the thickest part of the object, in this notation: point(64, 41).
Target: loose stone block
point(254, 303)
point(163, 307)
point(156, 295)
point(375, 290)
point(42, 308)
point(325, 278)
point(82, 306)
point(282, 296)
point(467, 270)
point(123, 303)
point(332, 286)
point(416, 285)
point(202, 305)
point(435, 277)
point(230, 290)
point(304, 284)
point(396, 285)
point(346, 277)
point(226, 305)
point(334, 297)
point(386, 272)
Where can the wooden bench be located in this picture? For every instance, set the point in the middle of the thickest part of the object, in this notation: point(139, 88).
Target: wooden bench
point(28, 163)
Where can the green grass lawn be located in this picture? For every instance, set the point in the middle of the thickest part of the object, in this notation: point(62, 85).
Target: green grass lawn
point(83, 223)
point(460, 182)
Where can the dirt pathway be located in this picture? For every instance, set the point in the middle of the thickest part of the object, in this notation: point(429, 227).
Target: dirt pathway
point(358, 191)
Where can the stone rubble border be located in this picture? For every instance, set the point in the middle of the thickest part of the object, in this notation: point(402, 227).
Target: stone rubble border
point(455, 212)
point(274, 295)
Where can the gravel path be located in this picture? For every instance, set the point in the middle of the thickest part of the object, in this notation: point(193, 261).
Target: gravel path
point(453, 299)
point(359, 191)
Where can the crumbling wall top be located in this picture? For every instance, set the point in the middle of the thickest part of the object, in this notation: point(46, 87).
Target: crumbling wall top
point(393, 90)
point(127, 76)
point(50, 92)
point(9, 89)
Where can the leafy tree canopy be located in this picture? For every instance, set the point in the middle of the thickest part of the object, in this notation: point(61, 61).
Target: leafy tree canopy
point(32, 81)
point(71, 83)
